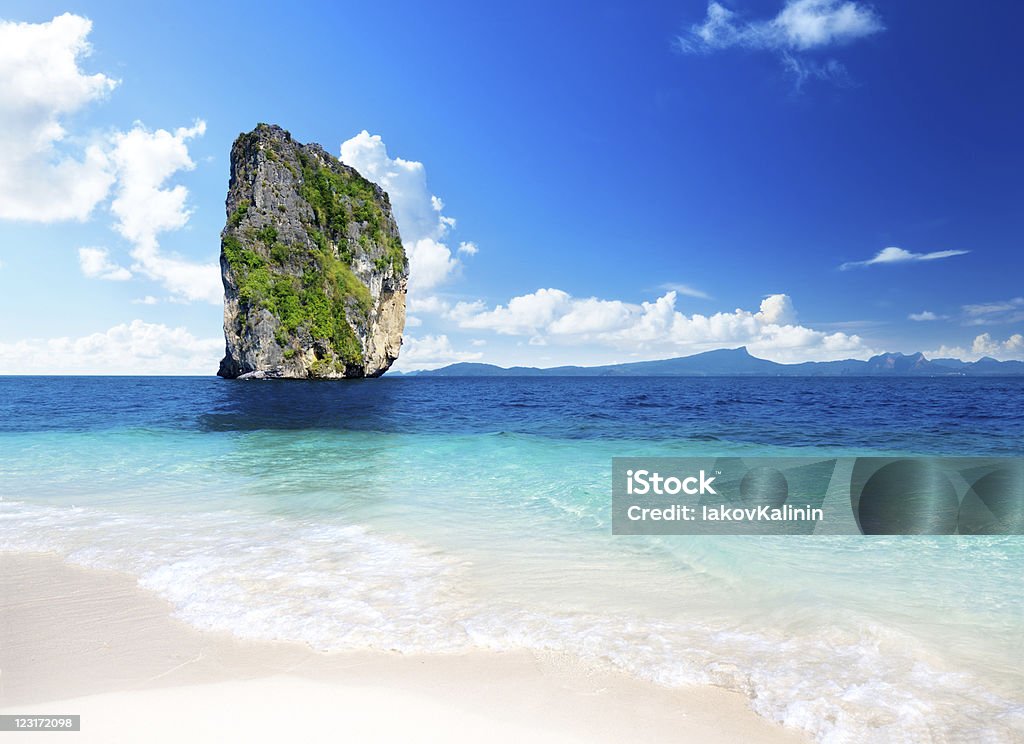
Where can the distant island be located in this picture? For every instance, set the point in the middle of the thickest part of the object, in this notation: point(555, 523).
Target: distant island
point(739, 362)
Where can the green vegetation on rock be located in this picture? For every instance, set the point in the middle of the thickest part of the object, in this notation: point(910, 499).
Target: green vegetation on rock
point(317, 303)
point(306, 238)
point(340, 198)
point(239, 214)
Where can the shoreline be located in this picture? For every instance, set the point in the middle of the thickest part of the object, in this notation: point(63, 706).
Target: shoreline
point(83, 641)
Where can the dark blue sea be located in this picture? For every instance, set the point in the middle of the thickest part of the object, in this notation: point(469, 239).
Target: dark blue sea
point(955, 416)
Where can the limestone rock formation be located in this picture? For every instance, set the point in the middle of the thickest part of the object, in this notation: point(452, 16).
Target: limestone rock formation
point(313, 267)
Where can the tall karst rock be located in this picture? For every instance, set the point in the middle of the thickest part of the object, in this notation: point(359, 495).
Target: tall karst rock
point(313, 266)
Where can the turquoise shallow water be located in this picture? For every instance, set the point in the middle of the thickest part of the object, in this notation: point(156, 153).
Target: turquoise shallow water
point(424, 517)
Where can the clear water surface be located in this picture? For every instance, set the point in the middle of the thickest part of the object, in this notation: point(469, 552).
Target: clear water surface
point(440, 515)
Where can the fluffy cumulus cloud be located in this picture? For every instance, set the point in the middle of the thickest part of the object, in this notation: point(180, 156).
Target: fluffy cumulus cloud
point(146, 205)
point(924, 316)
point(1011, 348)
point(135, 348)
point(984, 345)
point(657, 329)
point(430, 352)
point(428, 304)
point(801, 26)
point(145, 160)
point(893, 255)
point(430, 263)
point(419, 214)
point(524, 315)
point(96, 263)
point(46, 175)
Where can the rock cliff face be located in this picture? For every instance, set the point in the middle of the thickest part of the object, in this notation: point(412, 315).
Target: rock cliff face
point(313, 266)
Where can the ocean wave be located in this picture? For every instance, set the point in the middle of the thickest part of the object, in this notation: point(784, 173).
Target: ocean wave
point(336, 586)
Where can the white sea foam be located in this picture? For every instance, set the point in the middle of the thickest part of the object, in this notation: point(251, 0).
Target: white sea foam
point(338, 586)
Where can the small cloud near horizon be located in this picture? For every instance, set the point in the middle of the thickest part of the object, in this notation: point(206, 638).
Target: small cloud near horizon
point(984, 345)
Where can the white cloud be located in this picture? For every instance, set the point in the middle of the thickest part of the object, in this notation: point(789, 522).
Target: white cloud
point(419, 213)
point(802, 69)
point(657, 329)
point(145, 206)
point(147, 300)
point(590, 316)
point(135, 348)
point(431, 304)
point(948, 352)
point(430, 352)
point(686, 289)
point(470, 249)
point(894, 255)
point(925, 315)
point(96, 264)
point(776, 309)
point(145, 161)
point(805, 24)
point(523, 315)
point(1011, 348)
point(1004, 311)
point(430, 263)
point(983, 346)
point(411, 321)
point(46, 176)
point(801, 26)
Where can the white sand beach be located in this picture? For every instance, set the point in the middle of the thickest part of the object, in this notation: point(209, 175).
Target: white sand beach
point(88, 642)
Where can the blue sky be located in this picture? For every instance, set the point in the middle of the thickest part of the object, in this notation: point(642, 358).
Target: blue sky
point(626, 181)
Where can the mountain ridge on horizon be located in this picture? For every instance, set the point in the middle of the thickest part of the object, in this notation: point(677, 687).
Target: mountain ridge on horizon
point(739, 362)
